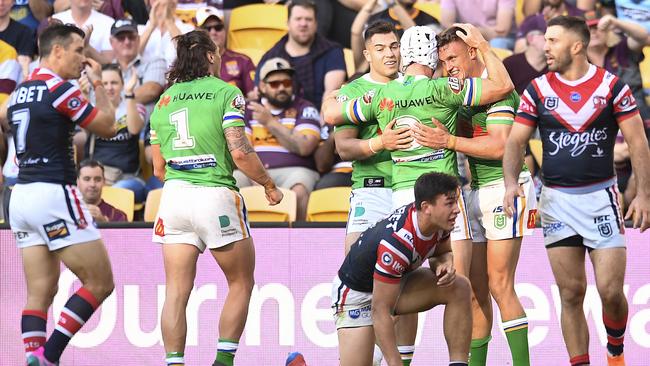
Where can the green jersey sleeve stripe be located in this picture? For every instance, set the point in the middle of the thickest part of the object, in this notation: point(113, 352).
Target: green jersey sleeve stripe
point(472, 92)
point(352, 112)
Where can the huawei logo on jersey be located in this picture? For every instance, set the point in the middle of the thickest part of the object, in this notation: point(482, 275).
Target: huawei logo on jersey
point(164, 101)
point(576, 142)
point(387, 104)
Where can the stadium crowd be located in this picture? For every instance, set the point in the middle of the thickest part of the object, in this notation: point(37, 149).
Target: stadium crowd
point(284, 82)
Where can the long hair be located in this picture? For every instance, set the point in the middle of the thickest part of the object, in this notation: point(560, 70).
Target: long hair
point(191, 57)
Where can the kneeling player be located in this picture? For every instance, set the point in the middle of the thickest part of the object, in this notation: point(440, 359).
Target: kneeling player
point(380, 278)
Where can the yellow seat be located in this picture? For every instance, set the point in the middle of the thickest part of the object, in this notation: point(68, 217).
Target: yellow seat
point(257, 26)
point(430, 7)
point(258, 209)
point(519, 12)
point(645, 73)
point(329, 204)
point(121, 198)
point(349, 62)
point(536, 149)
point(152, 204)
point(254, 53)
point(502, 53)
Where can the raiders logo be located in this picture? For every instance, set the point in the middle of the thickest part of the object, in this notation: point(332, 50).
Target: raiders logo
point(367, 98)
point(551, 103)
point(239, 103)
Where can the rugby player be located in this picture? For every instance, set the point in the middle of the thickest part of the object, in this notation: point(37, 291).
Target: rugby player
point(47, 215)
point(197, 138)
point(579, 109)
point(491, 261)
point(380, 278)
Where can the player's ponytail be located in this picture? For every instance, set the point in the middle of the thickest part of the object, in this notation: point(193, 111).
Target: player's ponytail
point(192, 60)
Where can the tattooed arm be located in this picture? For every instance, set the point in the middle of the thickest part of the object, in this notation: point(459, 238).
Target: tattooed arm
point(249, 163)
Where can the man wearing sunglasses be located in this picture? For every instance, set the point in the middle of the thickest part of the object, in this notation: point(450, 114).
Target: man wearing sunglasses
point(236, 68)
point(285, 131)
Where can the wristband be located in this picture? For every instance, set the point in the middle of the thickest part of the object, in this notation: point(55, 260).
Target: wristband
point(370, 146)
point(451, 144)
point(129, 96)
point(97, 84)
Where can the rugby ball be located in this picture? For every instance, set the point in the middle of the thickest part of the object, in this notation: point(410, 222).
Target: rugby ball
point(408, 121)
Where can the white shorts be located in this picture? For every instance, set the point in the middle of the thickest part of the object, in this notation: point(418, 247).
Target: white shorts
point(352, 309)
point(367, 207)
point(50, 214)
point(462, 230)
point(202, 216)
point(486, 215)
point(595, 216)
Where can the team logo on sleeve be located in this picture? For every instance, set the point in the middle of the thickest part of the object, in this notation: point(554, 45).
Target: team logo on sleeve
point(310, 113)
point(74, 103)
point(341, 98)
point(600, 102)
point(551, 103)
point(455, 84)
point(625, 101)
point(239, 103)
point(387, 259)
point(367, 97)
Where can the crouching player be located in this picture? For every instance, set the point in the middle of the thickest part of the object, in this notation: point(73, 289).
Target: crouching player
point(380, 277)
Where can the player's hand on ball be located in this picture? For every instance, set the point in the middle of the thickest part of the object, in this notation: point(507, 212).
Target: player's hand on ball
point(512, 192)
point(435, 138)
point(639, 212)
point(472, 36)
point(396, 139)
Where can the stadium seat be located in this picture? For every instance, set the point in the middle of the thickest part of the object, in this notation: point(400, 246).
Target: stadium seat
point(430, 7)
point(151, 205)
point(502, 52)
point(645, 73)
point(257, 26)
point(536, 149)
point(329, 204)
point(254, 53)
point(519, 12)
point(258, 209)
point(349, 62)
point(120, 198)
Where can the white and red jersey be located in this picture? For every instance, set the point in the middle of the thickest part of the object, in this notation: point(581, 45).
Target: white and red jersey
point(388, 250)
point(43, 111)
point(578, 122)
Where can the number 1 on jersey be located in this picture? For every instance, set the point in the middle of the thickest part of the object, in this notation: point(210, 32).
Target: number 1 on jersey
point(180, 121)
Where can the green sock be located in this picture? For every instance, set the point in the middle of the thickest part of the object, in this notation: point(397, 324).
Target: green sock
point(517, 335)
point(226, 349)
point(175, 358)
point(406, 353)
point(478, 351)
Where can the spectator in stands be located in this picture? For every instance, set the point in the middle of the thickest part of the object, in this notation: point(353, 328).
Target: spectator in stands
point(319, 63)
point(551, 9)
point(120, 154)
point(284, 130)
point(236, 68)
point(495, 18)
point(162, 27)
point(10, 76)
point(335, 17)
point(633, 10)
point(403, 15)
point(619, 54)
point(98, 25)
point(334, 171)
point(532, 7)
point(31, 12)
point(90, 181)
point(524, 67)
point(151, 74)
point(17, 35)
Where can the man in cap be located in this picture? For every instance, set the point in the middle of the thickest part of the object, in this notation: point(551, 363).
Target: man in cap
point(525, 66)
point(285, 131)
point(236, 68)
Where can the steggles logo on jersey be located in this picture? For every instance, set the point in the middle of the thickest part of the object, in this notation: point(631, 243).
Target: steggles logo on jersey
point(576, 142)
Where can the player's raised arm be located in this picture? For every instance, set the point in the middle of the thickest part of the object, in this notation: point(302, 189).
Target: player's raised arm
point(498, 83)
point(249, 163)
point(103, 122)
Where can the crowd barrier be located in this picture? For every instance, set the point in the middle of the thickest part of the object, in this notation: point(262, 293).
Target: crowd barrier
point(290, 310)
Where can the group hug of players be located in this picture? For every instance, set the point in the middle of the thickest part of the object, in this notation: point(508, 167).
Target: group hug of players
point(402, 126)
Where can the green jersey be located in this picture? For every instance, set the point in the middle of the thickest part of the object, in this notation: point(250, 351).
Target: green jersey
point(503, 112)
point(415, 99)
point(376, 171)
point(188, 123)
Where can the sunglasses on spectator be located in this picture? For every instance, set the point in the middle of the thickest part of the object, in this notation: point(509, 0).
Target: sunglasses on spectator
point(216, 27)
point(124, 35)
point(287, 83)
